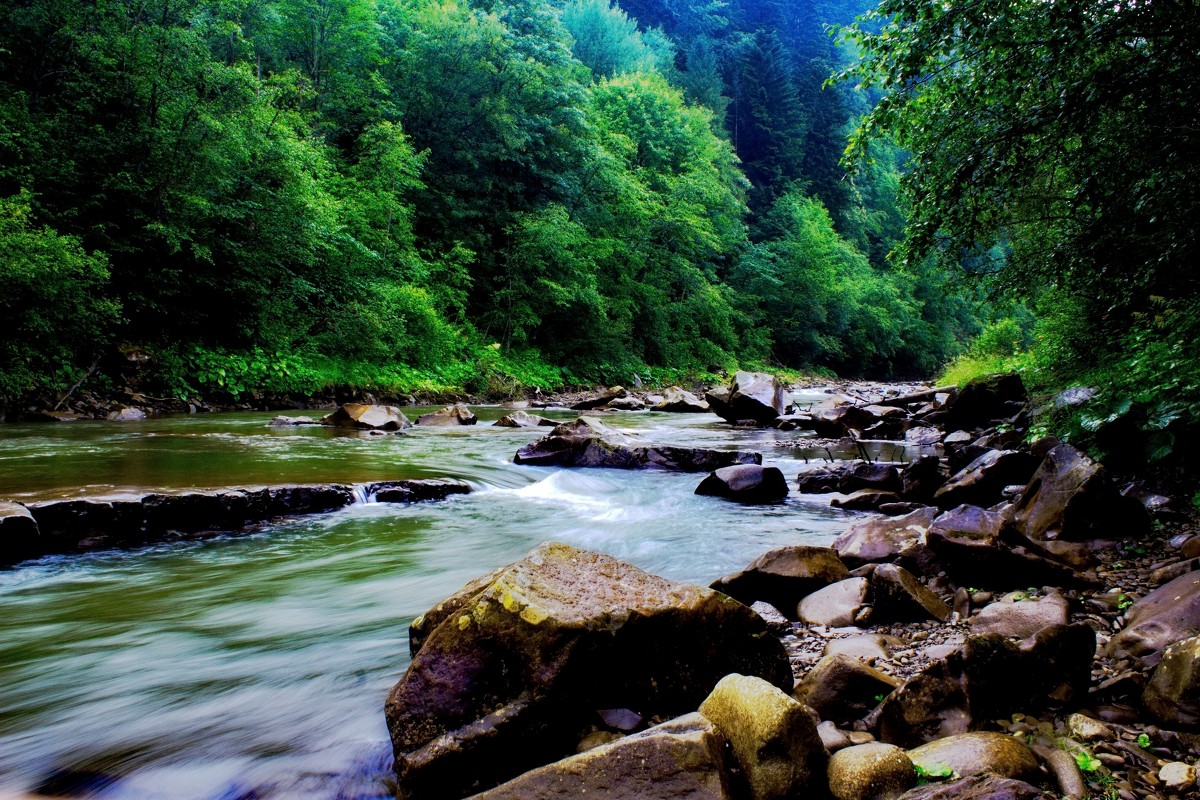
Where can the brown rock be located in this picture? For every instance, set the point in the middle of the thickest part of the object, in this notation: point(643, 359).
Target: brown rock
point(975, 753)
point(457, 414)
point(751, 396)
point(984, 401)
point(836, 605)
point(679, 401)
point(921, 478)
point(881, 477)
point(843, 689)
point(512, 676)
point(982, 482)
point(19, 534)
point(1173, 694)
point(784, 576)
point(874, 771)
point(1017, 614)
point(601, 399)
point(897, 596)
point(1171, 613)
point(864, 500)
point(884, 539)
point(367, 417)
point(980, 787)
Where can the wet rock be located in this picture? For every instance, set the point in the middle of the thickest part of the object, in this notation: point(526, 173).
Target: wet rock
point(682, 758)
point(820, 480)
point(746, 483)
point(881, 477)
point(511, 677)
point(1171, 613)
point(843, 689)
point(1173, 694)
point(773, 738)
point(985, 401)
point(127, 414)
point(291, 422)
point(982, 482)
point(874, 771)
point(979, 787)
point(602, 399)
point(784, 576)
point(792, 422)
point(751, 396)
point(523, 419)
point(884, 539)
point(1016, 614)
point(367, 417)
point(457, 414)
point(680, 401)
point(587, 442)
point(417, 490)
point(897, 596)
point(19, 534)
point(629, 403)
point(836, 605)
point(865, 500)
point(1071, 497)
point(921, 478)
point(975, 753)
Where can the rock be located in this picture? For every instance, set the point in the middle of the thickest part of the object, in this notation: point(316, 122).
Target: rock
point(923, 437)
point(1017, 614)
point(679, 401)
point(601, 399)
point(881, 477)
point(836, 605)
point(843, 689)
point(19, 534)
point(984, 401)
point(979, 787)
point(367, 417)
point(874, 771)
point(897, 596)
point(417, 490)
point(1173, 694)
point(975, 753)
point(986, 678)
point(682, 758)
point(819, 480)
point(290, 422)
point(127, 414)
point(776, 621)
point(1085, 729)
point(629, 403)
point(1074, 396)
point(511, 675)
point(773, 738)
point(752, 395)
point(866, 648)
point(1177, 776)
point(791, 422)
point(921, 478)
point(746, 483)
point(884, 539)
point(865, 500)
point(1071, 497)
point(784, 576)
point(976, 549)
point(832, 737)
point(982, 482)
point(523, 419)
point(1065, 769)
point(1171, 613)
point(457, 414)
point(587, 442)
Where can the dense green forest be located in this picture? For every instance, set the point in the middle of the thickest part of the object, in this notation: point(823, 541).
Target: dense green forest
point(293, 195)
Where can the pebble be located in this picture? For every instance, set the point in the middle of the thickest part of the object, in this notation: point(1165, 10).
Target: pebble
point(859, 737)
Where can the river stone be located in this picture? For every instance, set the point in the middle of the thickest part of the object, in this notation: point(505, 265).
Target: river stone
point(836, 605)
point(523, 419)
point(367, 417)
point(630, 403)
point(1171, 613)
point(679, 401)
point(978, 752)
point(920, 436)
point(1017, 615)
point(882, 477)
point(882, 539)
point(1173, 694)
point(867, 648)
point(416, 490)
point(682, 759)
point(784, 576)
point(601, 399)
point(290, 422)
point(751, 396)
point(773, 738)
point(842, 688)
point(984, 401)
point(19, 533)
point(921, 478)
point(513, 676)
point(746, 483)
point(127, 414)
point(587, 442)
point(457, 414)
point(873, 771)
point(1071, 497)
point(897, 596)
point(865, 500)
point(771, 615)
point(978, 787)
point(982, 482)
point(819, 480)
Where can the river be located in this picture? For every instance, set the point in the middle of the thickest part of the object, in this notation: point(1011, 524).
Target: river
point(256, 665)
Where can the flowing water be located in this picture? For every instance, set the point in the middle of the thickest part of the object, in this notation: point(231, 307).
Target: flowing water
point(256, 665)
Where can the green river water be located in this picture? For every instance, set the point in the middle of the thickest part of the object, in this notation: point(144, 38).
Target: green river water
point(256, 665)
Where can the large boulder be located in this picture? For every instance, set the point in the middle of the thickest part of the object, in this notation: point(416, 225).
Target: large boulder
point(979, 787)
point(682, 759)
point(842, 688)
point(367, 417)
point(680, 401)
point(416, 490)
point(1171, 613)
point(587, 442)
point(1019, 615)
point(871, 771)
point(835, 606)
point(746, 483)
point(975, 753)
point(884, 539)
point(19, 533)
point(984, 401)
point(864, 475)
point(601, 399)
point(514, 672)
point(1071, 497)
point(784, 576)
point(773, 738)
point(866, 500)
point(523, 419)
point(450, 416)
point(753, 396)
point(981, 483)
point(897, 596)
point(1173, 694)
point(921, 478)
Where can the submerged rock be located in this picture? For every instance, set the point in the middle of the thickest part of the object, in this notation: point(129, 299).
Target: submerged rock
point(367, 417)
point(523, 419)
point(512, 675)
point(457, 414)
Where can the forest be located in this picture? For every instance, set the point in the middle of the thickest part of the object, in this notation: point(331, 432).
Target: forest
point(495, 195)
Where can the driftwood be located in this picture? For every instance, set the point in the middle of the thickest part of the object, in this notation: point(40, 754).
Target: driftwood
point(78, 383)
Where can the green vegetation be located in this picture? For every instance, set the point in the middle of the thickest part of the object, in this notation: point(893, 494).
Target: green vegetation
point(402, 195)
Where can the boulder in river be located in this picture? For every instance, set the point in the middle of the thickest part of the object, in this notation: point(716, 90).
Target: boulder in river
point(746, 483)
point(19, 533)
point(680, 401)
point(416, 490)
point(755, 396)
point(601, 399)
point(367, 417)
point(587, 442)
point(448, 417)
point(513, 674)
point(784, 576)
point(523, 419)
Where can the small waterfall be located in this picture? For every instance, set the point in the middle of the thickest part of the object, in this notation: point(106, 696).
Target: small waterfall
point(361, 495)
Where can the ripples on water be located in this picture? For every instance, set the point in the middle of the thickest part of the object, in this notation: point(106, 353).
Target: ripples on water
point(257, 665)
